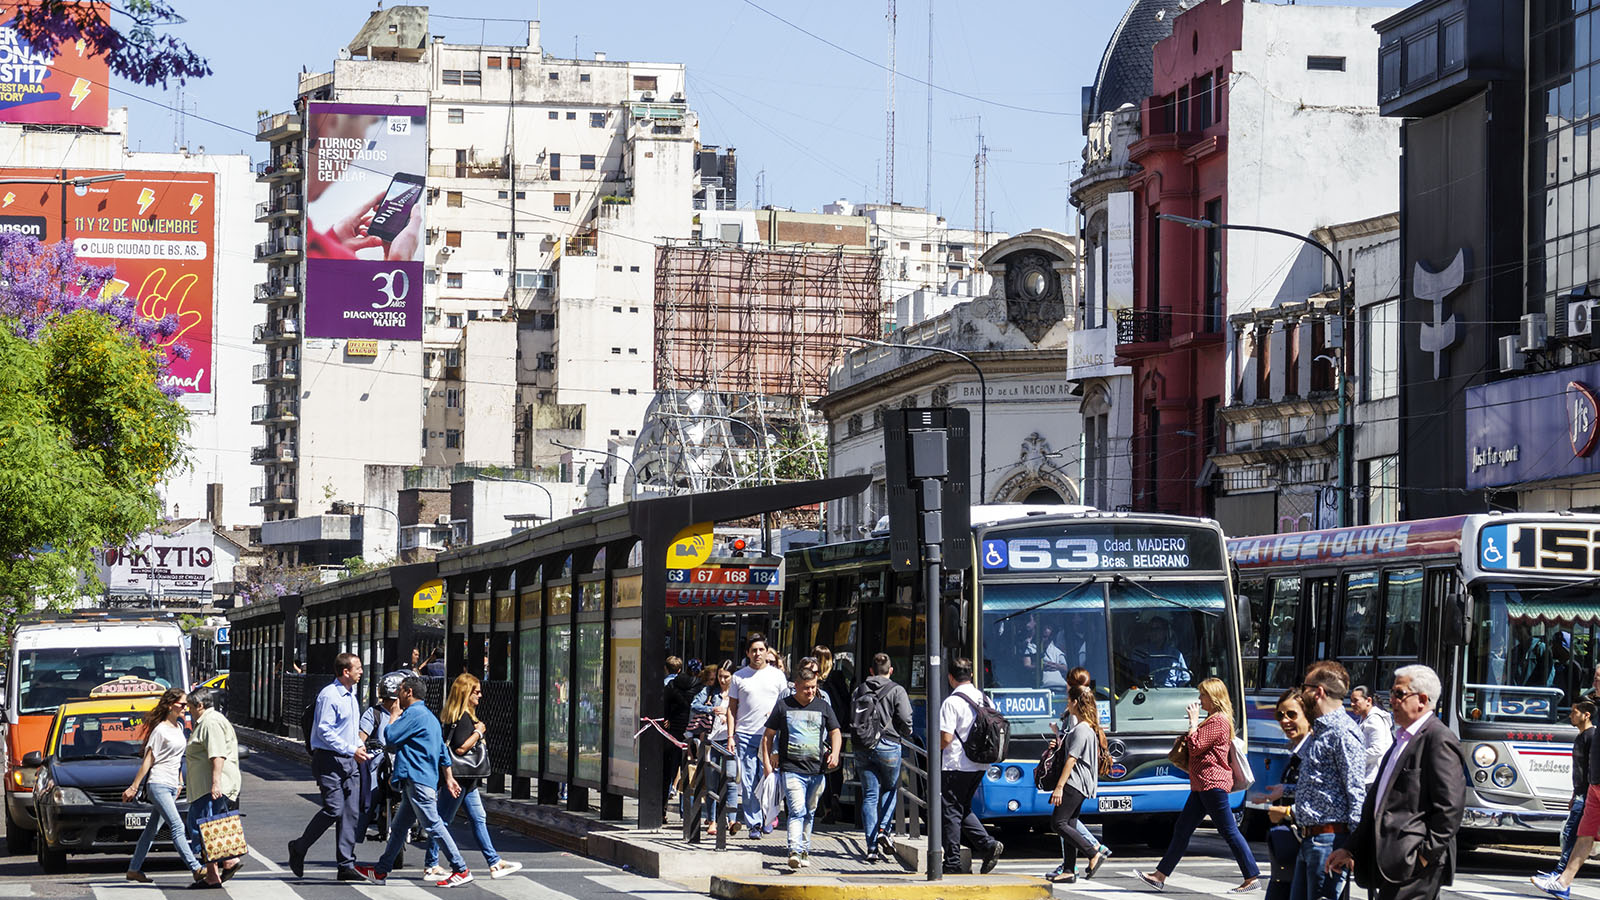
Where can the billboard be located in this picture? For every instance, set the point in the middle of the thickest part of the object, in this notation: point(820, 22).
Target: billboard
point(158, 229)
point(160, 564)
point(67, 86)
point(365, 169)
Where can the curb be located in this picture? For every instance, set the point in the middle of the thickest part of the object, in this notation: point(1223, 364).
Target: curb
point(879, 887)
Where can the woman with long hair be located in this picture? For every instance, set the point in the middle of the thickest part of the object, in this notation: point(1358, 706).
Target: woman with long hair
point(463, 731)
point(164, 741)
point(1283, 845)
point(722, 771)
point(1210, 746)
point(1084, 746)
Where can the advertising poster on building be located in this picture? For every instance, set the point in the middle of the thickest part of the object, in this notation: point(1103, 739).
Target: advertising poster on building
point(624, 769)
point(160, 564)
point(157, 229)
point(365, 168)
point(64, 86)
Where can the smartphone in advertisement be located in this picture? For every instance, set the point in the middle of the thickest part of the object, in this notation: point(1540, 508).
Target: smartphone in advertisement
point(394, 210)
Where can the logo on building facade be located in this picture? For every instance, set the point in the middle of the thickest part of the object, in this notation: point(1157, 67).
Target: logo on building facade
point(1442, 333)
point(1583, 408)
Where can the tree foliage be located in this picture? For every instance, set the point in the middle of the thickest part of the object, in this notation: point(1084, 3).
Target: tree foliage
point(86, 432)
point(135, 48)
point(275, 581)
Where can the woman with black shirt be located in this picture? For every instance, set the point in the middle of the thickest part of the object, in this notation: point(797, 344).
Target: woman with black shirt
point(464, 731)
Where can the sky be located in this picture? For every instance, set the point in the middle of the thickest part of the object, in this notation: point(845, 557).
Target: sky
point(803, 103)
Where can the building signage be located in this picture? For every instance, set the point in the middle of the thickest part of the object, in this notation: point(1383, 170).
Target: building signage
point(1533, 428)
point(680, 598)
point(690, 547)
point(1013, 391)
point(1442, 333)
point(66, 85)
point(160, 564)
point(361, 348)
point(1073, 547)
point(365, 164)
point(759, 576)
point(1119, 250)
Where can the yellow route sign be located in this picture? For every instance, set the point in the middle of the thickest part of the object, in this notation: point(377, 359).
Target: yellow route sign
point(691, 548)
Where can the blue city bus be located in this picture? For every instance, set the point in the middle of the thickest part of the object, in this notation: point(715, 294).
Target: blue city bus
point(1048, 589)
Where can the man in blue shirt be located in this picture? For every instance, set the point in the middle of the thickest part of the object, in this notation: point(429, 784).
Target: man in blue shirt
point(336, 758)
point(1332, 783)
point(416, 743)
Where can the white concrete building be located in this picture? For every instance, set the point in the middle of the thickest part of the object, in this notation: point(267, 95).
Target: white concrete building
point(220, 434)
point(549, 183)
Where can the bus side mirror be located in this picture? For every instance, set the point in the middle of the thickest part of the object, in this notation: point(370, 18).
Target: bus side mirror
point(33, 759)
point(1242, 607)
point(1453, 628)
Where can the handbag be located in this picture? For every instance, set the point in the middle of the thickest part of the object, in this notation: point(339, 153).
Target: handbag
point(222, 836)
point(1179, 754)
point(472, 764)
point(1243, 774)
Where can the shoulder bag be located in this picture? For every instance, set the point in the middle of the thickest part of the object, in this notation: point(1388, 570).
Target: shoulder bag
point(1179, 754)
point(472, 764)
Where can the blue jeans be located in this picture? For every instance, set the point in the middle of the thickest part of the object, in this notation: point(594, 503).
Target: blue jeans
point(750, 769)
point(879, 769)
point(421, 805)
point(448, 806)
point(800, 795)
point(203, 808)
point(722, 786)
point(1311, 881)
point(1213, 802)
point(164, 811)
point(1283, 848)
point(1569, 832)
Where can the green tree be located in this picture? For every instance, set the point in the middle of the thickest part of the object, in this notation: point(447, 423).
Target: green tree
point(128, 36)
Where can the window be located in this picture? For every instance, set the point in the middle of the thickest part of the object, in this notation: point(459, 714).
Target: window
point(453, 320)
point(1202, 103)
point(583, 77)
point(597, 120)
point(554, 114)
point(520, 236)
point(616, 268)
point(452, 238)
point(430, 316)
point(571, 115)
point(452, 76)
point(616, 309)
point(453, 198)
point(456, 116)
point(562, 202)
point(617, 391)
point(1380, 483)
point(531, 279)
point(555, 167)
point(633, 351)
point(424, 438)
point(452, 439)
point(1213, 239)
point(555, 76)
point(493, 62)
point(905, 245)
point(1218, 90)
point(586, 162)
point(633, 268)
point(1358, 638)
point(1183, 109)
point(452, 398)
point(452, 357)
point(514, 62)
point(616, 351)
point(1380, 349)
point(430, 276)
point(452, 280)
point(1325, 63)
point(927, 248)
point(644, 82)
point(1389, 72)
point(521, 195)
point(1422, 57)
point(1455, 44)
point(500, 235)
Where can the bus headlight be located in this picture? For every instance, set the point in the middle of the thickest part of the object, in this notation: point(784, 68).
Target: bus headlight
point(1013, 774)
point(1484, 756)
point(994, 773)
point(1504, 776)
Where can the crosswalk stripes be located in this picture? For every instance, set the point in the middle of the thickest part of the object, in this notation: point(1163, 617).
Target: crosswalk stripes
point(260, 887)
point(640, 886)
point(127, 890)
point(517, 887)
point(394, 890)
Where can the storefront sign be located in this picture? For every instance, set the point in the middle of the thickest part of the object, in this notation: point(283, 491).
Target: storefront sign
point(361, 348)
point(1533, 428)
point(1582, 407)
point(160, 564)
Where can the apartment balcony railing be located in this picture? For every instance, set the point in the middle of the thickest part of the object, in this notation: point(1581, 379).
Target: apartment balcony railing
point(285, 166)
point(279, 452)
point(279, 330)
point(1144, 326)
point(278, 125)
point(282, 206)
point(280, 411)
point(268, 494)
point(278, 289)
point(282, 370)
point(279, 248)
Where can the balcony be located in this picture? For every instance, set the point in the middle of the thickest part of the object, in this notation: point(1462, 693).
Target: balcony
point(278, 289)
point(283, 206)
point(270, 495)
point(282, 370)
point(279, 249)
point(278, 411)
point(1144, 326)
point(424, 537)
point(278, 126)
point(280, 452)
point(284, 167)
point(280, 330)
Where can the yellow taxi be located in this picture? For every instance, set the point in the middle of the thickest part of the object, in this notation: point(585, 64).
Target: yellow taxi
point(92, 753)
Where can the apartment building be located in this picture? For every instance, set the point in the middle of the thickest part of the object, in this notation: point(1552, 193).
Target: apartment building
point(546, 186)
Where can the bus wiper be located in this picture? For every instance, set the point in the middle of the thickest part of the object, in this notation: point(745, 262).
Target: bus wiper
point(1587, 582)
point(1119, 578)
point(1070, 591)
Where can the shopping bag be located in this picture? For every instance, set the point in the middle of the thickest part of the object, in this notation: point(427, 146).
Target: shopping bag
point(771, 796)
point(222, 837)
point(1243, 775)
point(1179, 754)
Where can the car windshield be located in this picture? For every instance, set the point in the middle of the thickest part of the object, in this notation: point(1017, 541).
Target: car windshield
point(111, 735)
point(1534, 650)
point(49, 677)
point(1146, 645)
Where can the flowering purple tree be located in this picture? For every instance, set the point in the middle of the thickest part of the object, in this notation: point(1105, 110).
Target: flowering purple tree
point(131, 45)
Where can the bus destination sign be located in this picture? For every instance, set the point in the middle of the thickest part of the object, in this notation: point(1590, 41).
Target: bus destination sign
point(1079, 547)
point(1549, 548)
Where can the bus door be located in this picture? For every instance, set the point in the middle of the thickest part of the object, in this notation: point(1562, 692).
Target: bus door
point(1321, 590)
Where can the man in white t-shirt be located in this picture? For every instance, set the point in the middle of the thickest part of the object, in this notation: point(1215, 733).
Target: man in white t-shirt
point(961, 776)
point(753, 692)
point(1377, 730)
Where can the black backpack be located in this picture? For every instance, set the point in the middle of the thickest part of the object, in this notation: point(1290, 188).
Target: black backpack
point(869, 714)
point(1048, 771)
point(990, 734)
point(308, 721)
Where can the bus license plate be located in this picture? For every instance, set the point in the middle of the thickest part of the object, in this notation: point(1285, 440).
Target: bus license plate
point(1116, 804)
point(132, 821)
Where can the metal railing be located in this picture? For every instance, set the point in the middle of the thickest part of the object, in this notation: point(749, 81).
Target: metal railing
point(695, 787)
point(912, 792)
point(289, 162)
point(277, 121)
point(1143, 326)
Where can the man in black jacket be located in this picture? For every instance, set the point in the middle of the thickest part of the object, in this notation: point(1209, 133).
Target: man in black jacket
point(1405, 845)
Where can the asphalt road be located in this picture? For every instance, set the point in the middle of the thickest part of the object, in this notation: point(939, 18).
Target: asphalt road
point(279, 797)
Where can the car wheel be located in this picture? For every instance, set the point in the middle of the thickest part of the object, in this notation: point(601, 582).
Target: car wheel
point(19, 840)
point(51, 860)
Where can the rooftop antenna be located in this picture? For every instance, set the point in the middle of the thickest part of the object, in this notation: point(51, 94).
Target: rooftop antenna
point(888, 165)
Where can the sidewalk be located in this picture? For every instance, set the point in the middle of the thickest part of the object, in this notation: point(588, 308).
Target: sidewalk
point(747, 870)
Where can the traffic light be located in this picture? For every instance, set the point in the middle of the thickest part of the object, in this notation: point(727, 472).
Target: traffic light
point(738, 546)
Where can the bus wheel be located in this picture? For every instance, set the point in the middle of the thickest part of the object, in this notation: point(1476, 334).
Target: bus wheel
point(1158, 832)
point(19, 840)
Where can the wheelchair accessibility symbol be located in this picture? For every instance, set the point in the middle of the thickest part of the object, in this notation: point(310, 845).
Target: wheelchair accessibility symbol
point(994, 555)
point(1492, 544)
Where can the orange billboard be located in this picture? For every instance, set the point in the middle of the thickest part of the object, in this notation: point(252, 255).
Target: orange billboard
point(157, 229)
point(66, 85)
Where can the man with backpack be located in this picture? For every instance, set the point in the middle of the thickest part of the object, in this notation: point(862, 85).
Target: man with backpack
point(973, 736)
point(880, 713)
point(337, 754)
point(376, 793)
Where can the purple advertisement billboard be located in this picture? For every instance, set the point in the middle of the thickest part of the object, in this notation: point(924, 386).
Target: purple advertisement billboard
point(365, 165)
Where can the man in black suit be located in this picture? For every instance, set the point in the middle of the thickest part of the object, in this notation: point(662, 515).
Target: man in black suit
point(1405, 846)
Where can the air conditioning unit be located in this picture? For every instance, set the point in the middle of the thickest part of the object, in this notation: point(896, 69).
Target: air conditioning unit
point(1580, 317)
point(442, 520)
point(1535, 332)
point(678, 97)
point(1512, 358)
point(648, 96)
point(446, 251)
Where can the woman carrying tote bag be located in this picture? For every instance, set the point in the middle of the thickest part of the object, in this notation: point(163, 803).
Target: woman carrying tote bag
point(469, 762)
point(164, 742)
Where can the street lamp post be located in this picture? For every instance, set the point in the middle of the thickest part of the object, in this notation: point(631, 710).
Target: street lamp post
point(983, 403)
point(625, 461)
point(551, 497)
point(1344, 310)
point(396, 522)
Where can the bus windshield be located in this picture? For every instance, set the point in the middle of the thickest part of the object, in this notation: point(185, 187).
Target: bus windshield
point(1533, 652)
point(49, 677)
point(1146, 645)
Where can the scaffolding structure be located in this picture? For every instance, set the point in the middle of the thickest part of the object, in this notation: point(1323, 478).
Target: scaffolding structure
point(744, 340)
